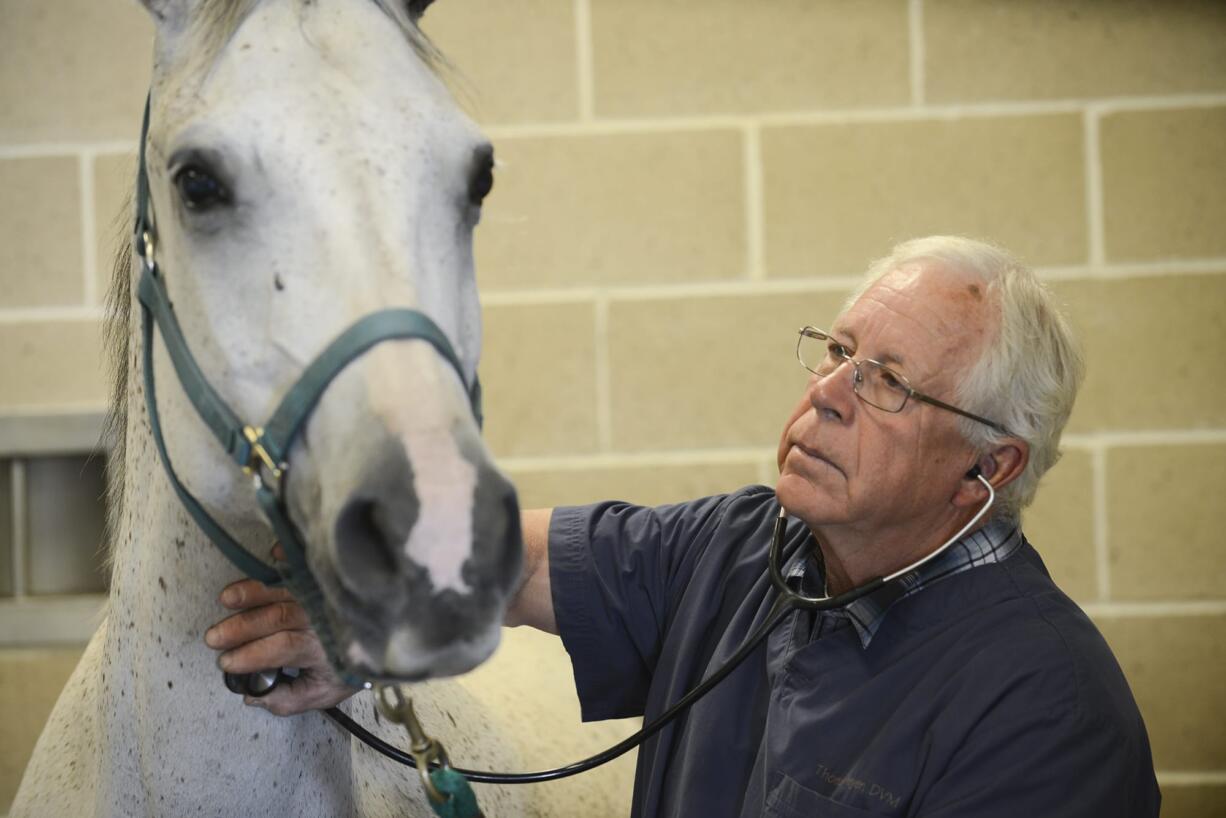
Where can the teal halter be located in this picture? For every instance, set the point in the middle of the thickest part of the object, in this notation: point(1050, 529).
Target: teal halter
point(262, 451)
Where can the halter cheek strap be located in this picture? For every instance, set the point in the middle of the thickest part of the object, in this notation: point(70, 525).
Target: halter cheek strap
point(262, 451)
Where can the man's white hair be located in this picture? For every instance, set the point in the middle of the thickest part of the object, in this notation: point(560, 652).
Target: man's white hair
point(1027, 376)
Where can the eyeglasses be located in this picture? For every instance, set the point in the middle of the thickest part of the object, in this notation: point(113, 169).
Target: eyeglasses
point(872, 381)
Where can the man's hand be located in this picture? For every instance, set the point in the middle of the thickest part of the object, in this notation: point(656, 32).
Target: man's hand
point(271, 630)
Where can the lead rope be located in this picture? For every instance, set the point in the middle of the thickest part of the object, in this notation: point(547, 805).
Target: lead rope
point(448, 791)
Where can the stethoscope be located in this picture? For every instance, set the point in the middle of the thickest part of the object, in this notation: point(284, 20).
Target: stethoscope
point(264, 682)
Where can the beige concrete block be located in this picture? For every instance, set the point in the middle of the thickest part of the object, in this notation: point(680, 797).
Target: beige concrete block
point(622, 209)
point(1162, 521)
point(1153, 351)
point(114, 181)
point(52, 363)
point(837, 196)
point(1060, 525)
point(1193, 801)
point(1164, 183)
point(516, 61)
point(30, 684)
point(73, 69)
point(1174, 666)
point(40, 233)
point(538, 375)
point(642, 485)
point(1047, 49)
point(708, 372)
point(679, 57)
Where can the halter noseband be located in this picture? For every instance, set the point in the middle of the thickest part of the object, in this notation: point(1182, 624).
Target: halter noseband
point(262, 451)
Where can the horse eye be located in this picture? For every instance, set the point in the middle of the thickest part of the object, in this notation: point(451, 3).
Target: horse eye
point(482, 181)
point(199, 189)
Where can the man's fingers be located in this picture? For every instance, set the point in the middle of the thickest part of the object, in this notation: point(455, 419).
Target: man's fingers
point(247, 593)
point(304, 693)
point(278, 552)
point(282, 649)
point(257, 623)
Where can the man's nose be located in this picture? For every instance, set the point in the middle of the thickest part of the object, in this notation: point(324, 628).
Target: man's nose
point(833, 395)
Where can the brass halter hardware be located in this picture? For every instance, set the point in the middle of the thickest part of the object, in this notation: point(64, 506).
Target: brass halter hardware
point(261, 462)
point(426, 750)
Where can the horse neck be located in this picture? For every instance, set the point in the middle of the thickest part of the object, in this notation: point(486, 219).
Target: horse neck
point(164, 709)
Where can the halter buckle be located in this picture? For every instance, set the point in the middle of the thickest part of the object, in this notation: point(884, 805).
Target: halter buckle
point(148, 247)
point(260, 462)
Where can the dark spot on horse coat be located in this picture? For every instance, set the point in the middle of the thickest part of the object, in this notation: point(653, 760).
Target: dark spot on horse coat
point(162, 583)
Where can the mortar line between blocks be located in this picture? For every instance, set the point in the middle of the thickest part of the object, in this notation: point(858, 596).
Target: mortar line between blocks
point(44, 150)
point(37, 314)
point(755, 205)
point(89, 229)
point(1095, 227)
point(1143, 437)
point(647, 459)
point(1190, 778)
point(20, 529)
point(842, 116)
point(825, 284)
point(604, 388)
point(915, 32)
point(584, 71)
point(1156, 609)
point(1102, 555)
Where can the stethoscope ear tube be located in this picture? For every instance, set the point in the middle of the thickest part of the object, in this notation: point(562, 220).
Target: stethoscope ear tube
point(812, 603)
point(824, 603)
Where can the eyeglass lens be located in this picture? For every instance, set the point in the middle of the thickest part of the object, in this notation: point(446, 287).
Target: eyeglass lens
point(873, 382)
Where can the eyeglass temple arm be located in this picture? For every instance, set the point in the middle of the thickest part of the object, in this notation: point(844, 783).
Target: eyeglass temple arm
point(965, 414)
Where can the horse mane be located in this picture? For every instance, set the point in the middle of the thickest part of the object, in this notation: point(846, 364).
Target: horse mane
point(214, 23)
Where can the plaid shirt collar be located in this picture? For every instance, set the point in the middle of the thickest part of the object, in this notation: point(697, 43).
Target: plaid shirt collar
point(995, 542)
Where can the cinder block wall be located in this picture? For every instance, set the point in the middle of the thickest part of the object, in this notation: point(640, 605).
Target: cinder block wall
point(684, 182)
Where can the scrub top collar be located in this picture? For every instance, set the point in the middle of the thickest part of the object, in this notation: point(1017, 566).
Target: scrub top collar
point(995, 542)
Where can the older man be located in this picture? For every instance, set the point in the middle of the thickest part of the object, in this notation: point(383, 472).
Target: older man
point(966, 684)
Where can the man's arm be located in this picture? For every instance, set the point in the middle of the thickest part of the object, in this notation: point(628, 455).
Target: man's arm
point(532, 602)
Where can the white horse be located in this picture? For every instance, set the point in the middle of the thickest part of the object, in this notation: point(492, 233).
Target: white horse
point(307, 167)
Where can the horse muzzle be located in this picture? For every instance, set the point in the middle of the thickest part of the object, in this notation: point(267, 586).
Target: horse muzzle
point(418, 572)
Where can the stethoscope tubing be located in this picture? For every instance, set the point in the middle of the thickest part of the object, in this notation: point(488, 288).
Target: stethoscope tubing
point(787, 598)
point(773, 618)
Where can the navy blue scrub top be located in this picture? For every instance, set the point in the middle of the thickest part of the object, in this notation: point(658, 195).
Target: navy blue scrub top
point(988, 693)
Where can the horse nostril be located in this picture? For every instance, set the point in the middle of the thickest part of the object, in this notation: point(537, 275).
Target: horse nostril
point(367, 541)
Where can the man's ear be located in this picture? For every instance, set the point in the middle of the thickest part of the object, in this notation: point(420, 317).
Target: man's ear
point(417, 8)
point(1000, 467)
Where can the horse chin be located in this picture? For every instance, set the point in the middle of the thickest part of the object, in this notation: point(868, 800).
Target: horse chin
point(407, 658)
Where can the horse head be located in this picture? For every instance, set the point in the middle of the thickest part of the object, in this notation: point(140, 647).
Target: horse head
point(307, 167)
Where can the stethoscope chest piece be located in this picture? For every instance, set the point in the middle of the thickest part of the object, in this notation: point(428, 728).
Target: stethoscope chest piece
point(257, 684)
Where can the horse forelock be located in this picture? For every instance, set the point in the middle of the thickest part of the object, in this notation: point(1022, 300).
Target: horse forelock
point(214, 23)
